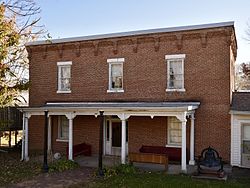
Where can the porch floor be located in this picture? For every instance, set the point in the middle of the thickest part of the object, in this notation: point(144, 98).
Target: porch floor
point(109, 161)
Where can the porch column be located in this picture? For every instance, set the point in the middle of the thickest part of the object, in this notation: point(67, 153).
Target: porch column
point(192, 161)
point(45, 144)
point(70, 117)
point(123, 149)
point(26, 137)
point(49, 135)
point(123, 118)
point(100, 170)
point(183, 147)
point(23, 138)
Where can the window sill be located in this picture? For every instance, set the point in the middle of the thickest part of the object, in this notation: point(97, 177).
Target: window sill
point(115, 91)
point(62, 140)
point(173, 146)
point(63, 92)
point(177, 90)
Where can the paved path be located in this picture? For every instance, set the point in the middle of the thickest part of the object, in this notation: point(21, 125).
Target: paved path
point(58, 180)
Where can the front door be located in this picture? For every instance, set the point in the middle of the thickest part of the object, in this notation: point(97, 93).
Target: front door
point(113, 137)
point(245, 156)
point(116, 138)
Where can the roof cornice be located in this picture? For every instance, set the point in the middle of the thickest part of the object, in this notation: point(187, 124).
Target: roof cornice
point(133, 33)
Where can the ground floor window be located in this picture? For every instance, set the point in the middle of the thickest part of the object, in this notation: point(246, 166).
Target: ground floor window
point(174, 131)
point(63, 128)
point(246, 138)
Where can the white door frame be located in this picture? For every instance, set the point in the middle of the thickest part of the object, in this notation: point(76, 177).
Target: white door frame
point(108, 149)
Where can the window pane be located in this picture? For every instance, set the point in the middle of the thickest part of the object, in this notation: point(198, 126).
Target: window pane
point(107, 130)
point(116, 75)
point(65, 75)
point(246, 132)
point(174, 129)
point(64, 127)
point(65, 72)
point(246, 147)
point(175, 78)
point(65, 84)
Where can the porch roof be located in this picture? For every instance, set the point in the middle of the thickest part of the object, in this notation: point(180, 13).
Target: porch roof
point(126, 106)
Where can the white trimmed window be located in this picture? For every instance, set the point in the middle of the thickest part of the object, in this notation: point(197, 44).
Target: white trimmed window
point(63, 128)
point(174, 131)
point(115, 75)
point(175, 72)
point(64, 77)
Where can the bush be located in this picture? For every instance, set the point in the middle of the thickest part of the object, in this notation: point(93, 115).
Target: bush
point(120, 169)
point(125, 169)
point(62, 165)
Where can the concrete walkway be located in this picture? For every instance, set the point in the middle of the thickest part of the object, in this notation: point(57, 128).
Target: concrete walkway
point(109, 161)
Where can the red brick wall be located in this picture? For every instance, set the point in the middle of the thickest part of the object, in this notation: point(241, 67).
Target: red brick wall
point(207, 79)
point(85, 129)
point(146, 131)
point(36, 133)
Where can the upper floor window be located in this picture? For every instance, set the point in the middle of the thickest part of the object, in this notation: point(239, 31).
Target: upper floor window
point(64, 77)
point(116, 75)
point(174, 131)
point(63, 128)
point(175, 72)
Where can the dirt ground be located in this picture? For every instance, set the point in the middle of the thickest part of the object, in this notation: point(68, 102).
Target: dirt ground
point(63, 179)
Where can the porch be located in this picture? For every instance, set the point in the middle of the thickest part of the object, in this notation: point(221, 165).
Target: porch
point(110, 161)
point(122, 111)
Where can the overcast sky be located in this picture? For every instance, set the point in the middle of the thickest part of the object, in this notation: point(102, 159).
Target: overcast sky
point(71, 18)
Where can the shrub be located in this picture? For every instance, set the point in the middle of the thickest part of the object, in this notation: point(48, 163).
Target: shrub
point(62, 165)
point(117, 170)
point(125, 169)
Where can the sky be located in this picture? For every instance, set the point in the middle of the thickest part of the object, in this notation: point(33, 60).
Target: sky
point(72, 18)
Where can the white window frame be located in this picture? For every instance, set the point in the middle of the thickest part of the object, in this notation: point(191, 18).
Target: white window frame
point(118, 61)
point(169, 144)
point(59, 65)
point(59, 128)
point(169, 58)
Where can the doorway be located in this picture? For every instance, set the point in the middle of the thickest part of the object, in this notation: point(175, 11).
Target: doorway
point(113, 137)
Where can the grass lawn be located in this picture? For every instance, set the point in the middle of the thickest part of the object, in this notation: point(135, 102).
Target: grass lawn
point(146, 179)
point(13, 170)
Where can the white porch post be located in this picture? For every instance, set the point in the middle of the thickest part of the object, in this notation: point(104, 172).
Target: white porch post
point(23, 138)
point(70, 118)
point(192, 161)
point(70, 139)
point(123, 150)
point(183, 147)
point(26, 144)
point(123, 118)
point(49, 135)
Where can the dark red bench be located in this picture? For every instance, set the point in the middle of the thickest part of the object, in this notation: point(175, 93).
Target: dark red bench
point(174, 154)
point(80, 149)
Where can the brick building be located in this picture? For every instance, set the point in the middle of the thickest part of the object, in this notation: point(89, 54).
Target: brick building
point(162, 87)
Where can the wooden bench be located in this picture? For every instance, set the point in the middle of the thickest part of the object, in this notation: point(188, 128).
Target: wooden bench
point(174, 154)
point(79, 149)
point(149, 158)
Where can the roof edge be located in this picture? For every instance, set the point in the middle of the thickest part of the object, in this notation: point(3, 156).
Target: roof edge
point(238, 112)
point(132, 33)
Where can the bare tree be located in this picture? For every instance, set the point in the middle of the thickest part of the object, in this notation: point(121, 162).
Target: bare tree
point(243, 76)
point(247, 38)
point(19, 24)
